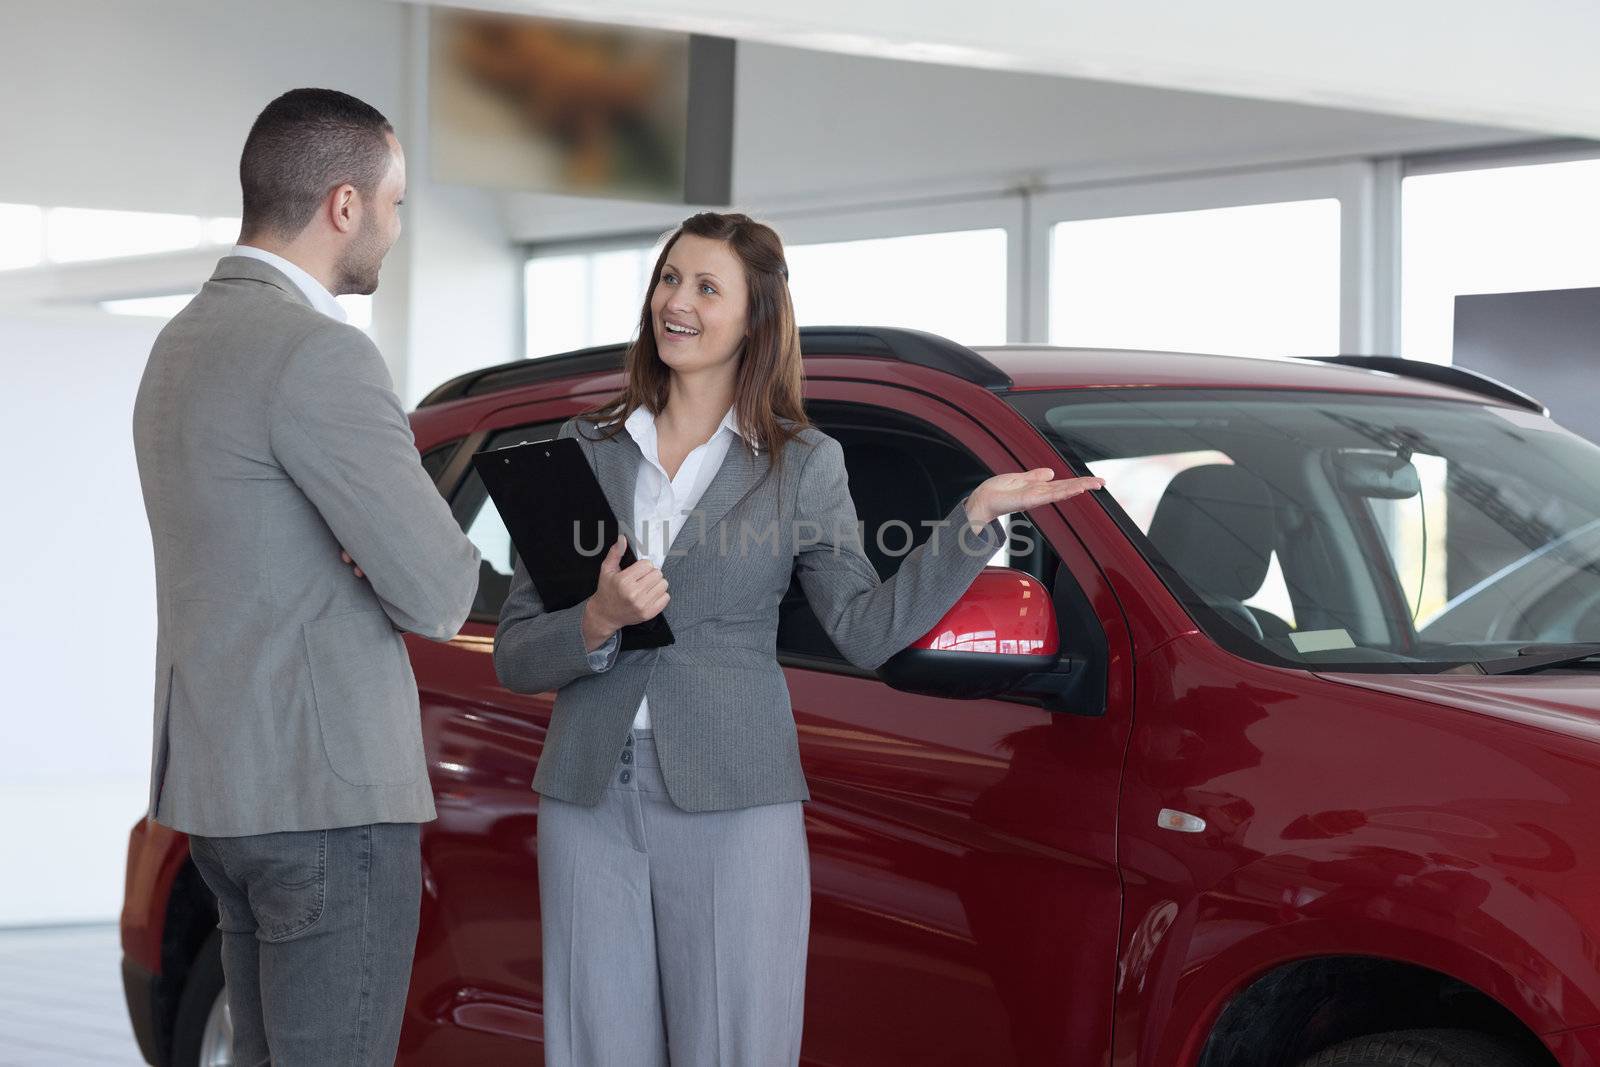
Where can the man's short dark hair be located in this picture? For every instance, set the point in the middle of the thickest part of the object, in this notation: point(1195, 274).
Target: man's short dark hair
point(303, 145)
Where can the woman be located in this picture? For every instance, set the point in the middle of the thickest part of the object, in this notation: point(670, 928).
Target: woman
point(673, 874)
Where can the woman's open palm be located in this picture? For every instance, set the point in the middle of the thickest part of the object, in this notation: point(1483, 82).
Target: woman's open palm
point(1007, 493)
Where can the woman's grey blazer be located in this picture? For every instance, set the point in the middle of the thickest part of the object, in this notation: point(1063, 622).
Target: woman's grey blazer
point(719, 704)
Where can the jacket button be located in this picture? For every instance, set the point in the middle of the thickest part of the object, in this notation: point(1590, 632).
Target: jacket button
point(627, 757)
point(625, 777)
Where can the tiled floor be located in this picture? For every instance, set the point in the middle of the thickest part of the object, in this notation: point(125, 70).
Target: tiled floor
point(61, 999)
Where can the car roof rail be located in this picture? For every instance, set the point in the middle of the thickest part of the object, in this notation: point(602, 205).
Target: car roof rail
point(908, 346)
point(1444, 374)
point(526, 372)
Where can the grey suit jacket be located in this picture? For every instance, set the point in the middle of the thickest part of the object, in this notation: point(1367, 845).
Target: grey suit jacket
point(719, 704)
point(268, 435)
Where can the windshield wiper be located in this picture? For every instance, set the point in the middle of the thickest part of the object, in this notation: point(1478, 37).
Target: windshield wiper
point(1533, 658)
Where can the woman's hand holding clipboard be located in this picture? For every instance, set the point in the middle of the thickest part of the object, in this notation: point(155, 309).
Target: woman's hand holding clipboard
point(623, 596)
point(558, 517)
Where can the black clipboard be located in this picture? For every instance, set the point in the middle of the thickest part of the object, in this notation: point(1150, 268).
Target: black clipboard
point(557, 516)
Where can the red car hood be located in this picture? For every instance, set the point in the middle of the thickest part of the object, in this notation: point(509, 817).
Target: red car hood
point(1566, 702)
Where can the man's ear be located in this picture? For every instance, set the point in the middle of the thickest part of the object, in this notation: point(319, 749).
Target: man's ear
point(342, 209)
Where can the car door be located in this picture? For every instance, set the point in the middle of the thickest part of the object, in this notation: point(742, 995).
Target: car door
point(475, 995)
point(965, 890)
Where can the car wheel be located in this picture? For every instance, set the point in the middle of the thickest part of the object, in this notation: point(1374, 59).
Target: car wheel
point(1421, 1048)
point(203, 1033)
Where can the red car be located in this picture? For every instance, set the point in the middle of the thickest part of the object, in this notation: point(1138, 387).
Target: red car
point(1287, 741)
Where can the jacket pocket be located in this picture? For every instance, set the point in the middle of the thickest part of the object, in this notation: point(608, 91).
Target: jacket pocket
point(366, 699)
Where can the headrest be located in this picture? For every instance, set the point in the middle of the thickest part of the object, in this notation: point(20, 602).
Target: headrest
point(1217, 526)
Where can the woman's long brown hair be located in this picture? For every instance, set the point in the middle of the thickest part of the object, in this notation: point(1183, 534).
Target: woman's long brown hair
point(767, 383)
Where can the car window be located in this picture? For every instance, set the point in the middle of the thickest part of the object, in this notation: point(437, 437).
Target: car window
point(1348, 531)
point(484, 527)
point(435, 460)
point(903, 473)
point(1139, 483)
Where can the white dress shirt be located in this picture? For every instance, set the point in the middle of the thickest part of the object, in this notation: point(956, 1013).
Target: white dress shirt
point(320, 298)
point(660, 506)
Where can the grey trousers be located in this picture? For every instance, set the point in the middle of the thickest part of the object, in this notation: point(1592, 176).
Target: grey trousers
point(671, 936)
point(318, 930)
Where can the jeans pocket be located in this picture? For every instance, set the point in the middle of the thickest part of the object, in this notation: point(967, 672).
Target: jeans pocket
point(288, 883)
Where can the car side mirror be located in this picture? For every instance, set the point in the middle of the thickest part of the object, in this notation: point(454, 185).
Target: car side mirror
point(1001, 630)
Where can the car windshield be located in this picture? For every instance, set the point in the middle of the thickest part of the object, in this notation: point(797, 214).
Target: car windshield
point(1348, 531)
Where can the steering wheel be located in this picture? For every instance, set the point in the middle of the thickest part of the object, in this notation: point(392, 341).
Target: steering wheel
point(1239, 615)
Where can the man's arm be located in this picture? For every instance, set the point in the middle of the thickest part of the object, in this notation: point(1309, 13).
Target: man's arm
point(339, 431)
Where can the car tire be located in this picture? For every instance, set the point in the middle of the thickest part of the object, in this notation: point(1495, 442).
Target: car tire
point(1421, 1048)
point(194, 1034)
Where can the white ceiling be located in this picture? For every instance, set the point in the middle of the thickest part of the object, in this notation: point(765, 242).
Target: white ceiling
point(865, 123)
point(834, 129)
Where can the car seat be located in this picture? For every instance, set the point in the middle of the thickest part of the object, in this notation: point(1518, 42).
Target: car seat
point(1217, 526)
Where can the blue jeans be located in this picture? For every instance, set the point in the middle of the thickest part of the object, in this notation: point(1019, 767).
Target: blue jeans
point(318, 930)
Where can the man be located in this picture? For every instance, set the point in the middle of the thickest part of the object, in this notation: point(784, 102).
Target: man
point(272, 451)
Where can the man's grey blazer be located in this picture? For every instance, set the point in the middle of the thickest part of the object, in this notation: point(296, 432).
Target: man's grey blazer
point(268, 435)
point(719, 704)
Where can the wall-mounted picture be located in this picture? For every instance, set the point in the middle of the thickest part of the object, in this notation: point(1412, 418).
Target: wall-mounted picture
point(549, 106)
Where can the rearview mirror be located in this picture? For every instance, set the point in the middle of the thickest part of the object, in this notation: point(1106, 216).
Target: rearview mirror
point(1001, 630)
point(1381, 475)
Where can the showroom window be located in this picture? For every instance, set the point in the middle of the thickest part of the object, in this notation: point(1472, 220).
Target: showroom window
point(952, 284)
point(358, 308)
point(1257, 280)
point(156, 307)
point(947, 283)
point(31, 235)
point(75, 235)
point(1500, 230)
point(21, 236)
point(579, 299)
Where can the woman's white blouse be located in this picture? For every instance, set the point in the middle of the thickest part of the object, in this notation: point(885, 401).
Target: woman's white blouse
point(660, 506)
